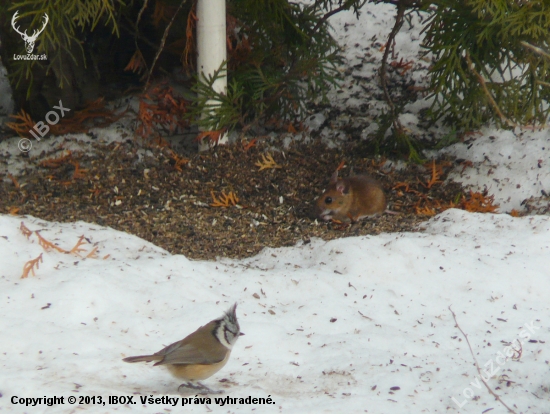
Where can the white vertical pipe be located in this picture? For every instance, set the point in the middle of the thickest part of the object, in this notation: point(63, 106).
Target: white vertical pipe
point(211, 47)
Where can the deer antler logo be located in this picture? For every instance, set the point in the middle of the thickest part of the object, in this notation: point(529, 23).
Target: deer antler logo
point(29, 40)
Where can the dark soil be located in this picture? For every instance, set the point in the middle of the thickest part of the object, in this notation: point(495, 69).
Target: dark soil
point(144, 192)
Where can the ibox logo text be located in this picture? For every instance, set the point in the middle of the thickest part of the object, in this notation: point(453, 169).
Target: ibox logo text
point(29, 40)
point(52, 118)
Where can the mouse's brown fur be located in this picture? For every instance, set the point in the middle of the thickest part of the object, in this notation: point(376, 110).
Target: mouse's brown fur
point(351, 198)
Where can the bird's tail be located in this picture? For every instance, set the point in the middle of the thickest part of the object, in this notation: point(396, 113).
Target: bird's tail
point(146, 358)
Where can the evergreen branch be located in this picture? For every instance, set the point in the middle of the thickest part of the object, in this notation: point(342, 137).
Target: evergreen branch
point(137, 34)
point(406, 3)
point(508, 44)
point(535, 49)
point(162, 42)
point(145, 4)
point(391, 39)
point(492, 101)
point(345, 6)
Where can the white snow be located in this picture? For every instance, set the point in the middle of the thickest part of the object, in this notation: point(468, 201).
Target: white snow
point(329, 326)
point(511, 166)
point(353, 325)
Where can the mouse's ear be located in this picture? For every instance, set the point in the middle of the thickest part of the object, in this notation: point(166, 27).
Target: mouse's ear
point(334, 177)
point(341, 187)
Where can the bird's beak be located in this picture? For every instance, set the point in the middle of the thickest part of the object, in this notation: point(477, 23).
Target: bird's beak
point(241, 334)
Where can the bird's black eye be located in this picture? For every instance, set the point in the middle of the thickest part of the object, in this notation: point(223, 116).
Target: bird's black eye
point(328, 200)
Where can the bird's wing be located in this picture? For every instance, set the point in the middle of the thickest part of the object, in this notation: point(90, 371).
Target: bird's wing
point(189, 354)
point(169, 348)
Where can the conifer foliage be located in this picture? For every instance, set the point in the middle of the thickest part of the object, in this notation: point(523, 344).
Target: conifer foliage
point(70, 65)
point(281, 57)
point(491, 57)
point(491, 61)
point(67, 24)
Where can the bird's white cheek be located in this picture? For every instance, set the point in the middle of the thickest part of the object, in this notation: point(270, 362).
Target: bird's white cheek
point(221, 336)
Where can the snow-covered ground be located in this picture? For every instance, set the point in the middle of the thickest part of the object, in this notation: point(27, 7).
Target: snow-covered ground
point(512, 166)
point(352, 325)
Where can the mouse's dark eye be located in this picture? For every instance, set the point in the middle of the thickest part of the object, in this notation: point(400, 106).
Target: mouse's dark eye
point(328, 200)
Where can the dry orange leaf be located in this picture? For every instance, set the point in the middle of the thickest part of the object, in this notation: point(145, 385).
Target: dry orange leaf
point(23, 127)
point(405, 66)
point(179, 161)
point(214, 136)
point(160, 110)
point(72, 124)
point(92, 254)
point(30, 265)
point(78, 172)
point(76, 249)
point(56, 162)
point(435, 177)
point(77, 123)
point(14, 181)
point(479, 203)
point(267, 162)
point(137, 63)
point(248, 145)
point(425, 211)
point(341, 165)
point(225, 200)
point(47, 245)
point(188, 54)
point(26, 232)
point(161, 12)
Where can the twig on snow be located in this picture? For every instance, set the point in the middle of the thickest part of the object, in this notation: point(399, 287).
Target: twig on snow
point(494, 394)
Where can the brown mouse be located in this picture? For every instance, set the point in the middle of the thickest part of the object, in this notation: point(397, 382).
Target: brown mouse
point(351, 198)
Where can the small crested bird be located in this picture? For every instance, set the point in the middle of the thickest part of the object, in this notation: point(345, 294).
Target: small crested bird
point(201, 354)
